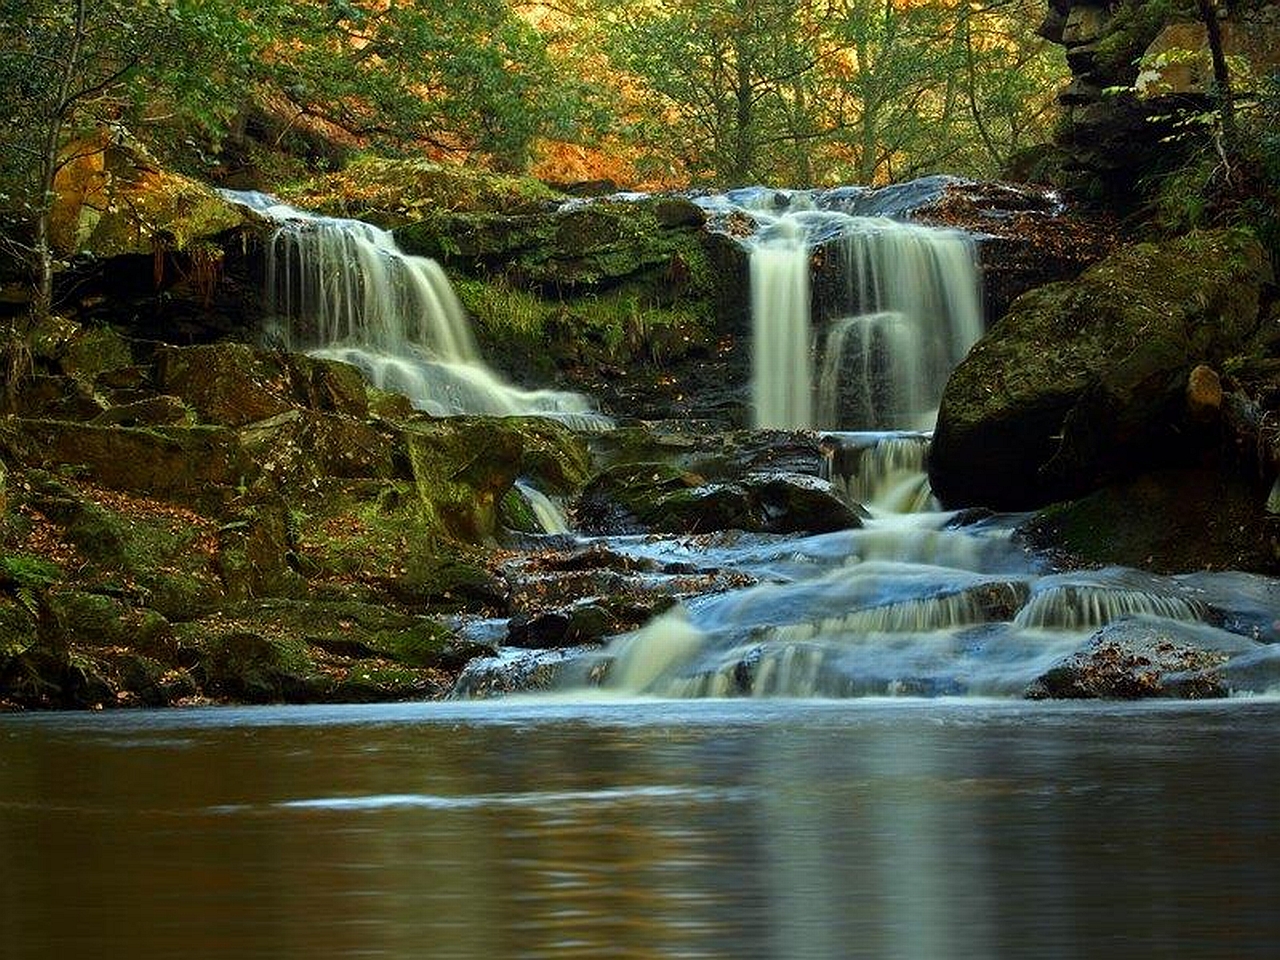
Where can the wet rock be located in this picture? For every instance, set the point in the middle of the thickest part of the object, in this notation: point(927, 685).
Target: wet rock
point(1168, 521)
point(1083, 382)
point(585, 622)
point(660, 498)
point(1146, 657)
point(525, 671)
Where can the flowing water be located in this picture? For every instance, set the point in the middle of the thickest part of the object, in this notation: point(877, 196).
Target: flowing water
point(917, 602)
point(908, 310)
point(343, 290)
point(742, 830)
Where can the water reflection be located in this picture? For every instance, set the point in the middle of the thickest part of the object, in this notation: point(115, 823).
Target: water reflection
point(915, 831)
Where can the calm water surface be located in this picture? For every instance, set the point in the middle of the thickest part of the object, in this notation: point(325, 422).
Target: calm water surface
point(914, 829)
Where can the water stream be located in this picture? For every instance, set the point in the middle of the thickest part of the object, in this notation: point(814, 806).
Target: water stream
point(917, 602)
point(343, 290)
point(907, 309)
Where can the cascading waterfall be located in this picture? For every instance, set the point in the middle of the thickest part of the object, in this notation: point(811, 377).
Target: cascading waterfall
point(781, 374)
point(549, 516)
point(343, 290)
point(916, 602)
point(911, 309)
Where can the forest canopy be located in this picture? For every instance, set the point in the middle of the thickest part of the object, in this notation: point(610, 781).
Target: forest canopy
point(714, 92)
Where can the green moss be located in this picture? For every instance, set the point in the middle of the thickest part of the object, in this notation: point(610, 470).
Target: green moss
point(392, 191)
point(27, 572)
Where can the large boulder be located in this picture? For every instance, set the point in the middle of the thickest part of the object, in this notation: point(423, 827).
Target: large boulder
point(1086, 381)
point(111, 198)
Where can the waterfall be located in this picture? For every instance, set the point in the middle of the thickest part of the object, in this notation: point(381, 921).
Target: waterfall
point(781, 378)
point(343, 290)
point(908, 310)
point(549, 516)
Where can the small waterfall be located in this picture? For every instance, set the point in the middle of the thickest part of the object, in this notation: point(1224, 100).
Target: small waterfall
point(344, 290)
point(881, 471)
point(911, 309)
point(781, 367)
point(549, 516)
point(1078, 606)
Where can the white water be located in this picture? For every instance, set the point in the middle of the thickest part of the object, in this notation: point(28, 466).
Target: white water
point(549, 516)
point(911, 309)
point(343, 290)
point(909, 605)
point(781, 374)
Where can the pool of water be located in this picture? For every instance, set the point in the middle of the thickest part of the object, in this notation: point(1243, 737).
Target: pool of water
point(728, 829)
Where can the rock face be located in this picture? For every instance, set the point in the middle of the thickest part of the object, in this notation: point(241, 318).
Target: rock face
point(1155, 53)
point(112, 199)
point(230, 523)
point(1086, 381)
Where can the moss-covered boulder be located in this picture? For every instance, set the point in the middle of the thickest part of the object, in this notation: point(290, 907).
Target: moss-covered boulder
point(660, 498)
point(589, 245)
point(234, 384)
point(394, 191)
point(301, 651)
point(179, 462)
point(1169, 521)
point(111, 198)
point(376, 541)
point(1085, 381)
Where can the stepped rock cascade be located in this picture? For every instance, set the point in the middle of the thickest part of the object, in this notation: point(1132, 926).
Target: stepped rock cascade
point(343, 290)
point(917, 602)
point(545, 510)
point(909, 311)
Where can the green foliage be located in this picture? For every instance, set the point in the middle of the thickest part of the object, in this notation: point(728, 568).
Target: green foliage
point(1226, 185)
point(27, 572)
point(798, 92)
point(466, 77)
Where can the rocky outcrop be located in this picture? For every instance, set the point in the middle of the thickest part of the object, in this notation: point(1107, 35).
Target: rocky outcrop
point(1133, 65)
point(230, 523)
point(113, 199)
point(1141, 658)
point(1085, 382)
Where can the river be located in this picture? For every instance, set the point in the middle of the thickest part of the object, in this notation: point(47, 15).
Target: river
point(913, 829)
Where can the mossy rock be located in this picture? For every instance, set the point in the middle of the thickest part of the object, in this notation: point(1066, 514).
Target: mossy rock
point(301, 447)
point(1084, 381)
point(111, 198)
point(235, 384)
point(393, 191)
point(182, 462)
point(1168, 521)
point(662, 498)
point(255, 552)
point(589, 246)
point(17, 625)
point(157, 555)
point(253, 667)
point(375, 540)
point(463, 467)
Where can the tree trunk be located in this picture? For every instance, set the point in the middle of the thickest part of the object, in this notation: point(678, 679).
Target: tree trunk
point(1221, 74)
point(42, 246)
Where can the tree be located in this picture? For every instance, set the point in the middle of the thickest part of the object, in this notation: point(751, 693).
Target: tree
point(466, 77)
point(77, 64)
point(725, 78)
